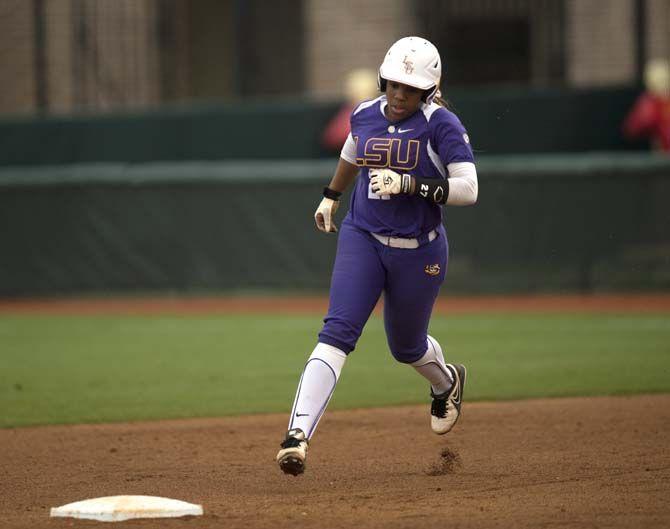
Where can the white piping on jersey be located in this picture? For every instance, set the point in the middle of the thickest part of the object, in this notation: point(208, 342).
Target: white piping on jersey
point(429, 109)
point(435, 158)
point(382, 105)
point(366, 104)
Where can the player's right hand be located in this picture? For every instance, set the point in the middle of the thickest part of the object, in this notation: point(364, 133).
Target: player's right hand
point(384, 182)
point(324, 215)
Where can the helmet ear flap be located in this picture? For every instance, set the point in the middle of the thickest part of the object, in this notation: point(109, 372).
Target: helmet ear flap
point(381, 83)
point(429, 95)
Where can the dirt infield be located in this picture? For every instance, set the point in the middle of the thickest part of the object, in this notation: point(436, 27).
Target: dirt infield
point(600, 462)
point(319, 304)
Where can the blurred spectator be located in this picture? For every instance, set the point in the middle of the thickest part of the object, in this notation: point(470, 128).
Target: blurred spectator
point(360, 85)
point(650, 116)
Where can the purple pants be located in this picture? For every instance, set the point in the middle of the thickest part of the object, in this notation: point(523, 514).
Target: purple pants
point(409, 278)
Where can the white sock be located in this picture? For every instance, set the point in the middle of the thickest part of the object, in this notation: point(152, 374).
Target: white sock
point(432, 366)
point(316, 387)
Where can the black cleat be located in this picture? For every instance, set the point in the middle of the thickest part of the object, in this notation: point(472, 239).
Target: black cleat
point(446, 408)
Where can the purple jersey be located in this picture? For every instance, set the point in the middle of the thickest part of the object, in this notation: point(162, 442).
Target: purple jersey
point(421, 145)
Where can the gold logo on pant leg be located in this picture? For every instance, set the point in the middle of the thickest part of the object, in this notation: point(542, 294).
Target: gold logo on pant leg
point(432, 270)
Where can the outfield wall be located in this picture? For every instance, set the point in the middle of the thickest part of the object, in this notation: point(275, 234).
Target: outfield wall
point(499, 121)
point(543, 223)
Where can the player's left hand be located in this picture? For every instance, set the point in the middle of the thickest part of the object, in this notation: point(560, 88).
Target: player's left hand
point(387, 182)
point(325, 213)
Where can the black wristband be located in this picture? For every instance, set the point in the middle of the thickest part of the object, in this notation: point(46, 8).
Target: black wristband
point(436, 191)
point(331, 193)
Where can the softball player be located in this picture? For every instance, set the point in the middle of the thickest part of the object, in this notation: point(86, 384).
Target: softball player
point(413, 156)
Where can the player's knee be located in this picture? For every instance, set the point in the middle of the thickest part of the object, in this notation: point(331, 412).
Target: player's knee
point(408, 355)
point(411, 353)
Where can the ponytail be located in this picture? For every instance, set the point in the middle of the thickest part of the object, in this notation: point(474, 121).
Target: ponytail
point(439, 100)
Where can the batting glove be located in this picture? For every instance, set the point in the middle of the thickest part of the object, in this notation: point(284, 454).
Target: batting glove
point(324, 215)
point(387, 182)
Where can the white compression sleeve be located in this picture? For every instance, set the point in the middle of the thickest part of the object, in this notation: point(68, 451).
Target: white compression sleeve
point(316, 387)
point(463, 185)
point(431, 366)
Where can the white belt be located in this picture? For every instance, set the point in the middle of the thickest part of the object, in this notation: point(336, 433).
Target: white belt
point(408, 244)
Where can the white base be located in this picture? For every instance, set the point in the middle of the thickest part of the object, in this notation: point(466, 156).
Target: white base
point(119, 508)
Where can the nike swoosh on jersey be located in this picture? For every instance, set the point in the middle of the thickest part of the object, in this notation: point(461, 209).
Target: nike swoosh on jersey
point(400, 131)
point(302, 414)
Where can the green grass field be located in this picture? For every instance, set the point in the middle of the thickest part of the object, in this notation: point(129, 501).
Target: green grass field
point(109, 368)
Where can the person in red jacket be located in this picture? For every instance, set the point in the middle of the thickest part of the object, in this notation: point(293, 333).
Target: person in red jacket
point(650, 115)
point(360, 84)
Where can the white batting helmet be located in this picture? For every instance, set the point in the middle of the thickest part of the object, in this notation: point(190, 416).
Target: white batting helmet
point(412, 61)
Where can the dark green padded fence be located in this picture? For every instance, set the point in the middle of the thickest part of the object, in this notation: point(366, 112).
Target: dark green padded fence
point(205, 132)
point(561, 223)
point(499, 121)
point(507, 121)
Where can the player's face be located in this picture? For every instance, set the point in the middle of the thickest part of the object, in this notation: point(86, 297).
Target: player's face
point(403, 100)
